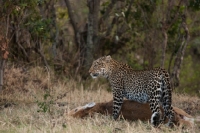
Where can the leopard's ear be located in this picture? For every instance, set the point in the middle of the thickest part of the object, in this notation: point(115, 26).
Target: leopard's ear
point(108, 58)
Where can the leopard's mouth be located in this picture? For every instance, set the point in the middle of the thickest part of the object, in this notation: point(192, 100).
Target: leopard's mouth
point(94, 75)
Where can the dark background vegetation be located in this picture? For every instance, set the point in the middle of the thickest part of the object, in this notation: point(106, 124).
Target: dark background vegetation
point(67, 35)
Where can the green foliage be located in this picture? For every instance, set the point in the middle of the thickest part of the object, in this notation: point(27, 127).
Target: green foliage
point(27, 15)
point(62, 17)
point(62, 13)
point(39, 27)
point(189, 77)
point(133, 62)
point(45, 105)
point(104, 5)
point(194, 5)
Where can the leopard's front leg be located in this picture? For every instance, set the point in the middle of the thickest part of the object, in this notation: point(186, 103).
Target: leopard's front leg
point(117, 102)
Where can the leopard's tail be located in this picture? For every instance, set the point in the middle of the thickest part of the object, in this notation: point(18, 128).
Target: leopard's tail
point(166, 97)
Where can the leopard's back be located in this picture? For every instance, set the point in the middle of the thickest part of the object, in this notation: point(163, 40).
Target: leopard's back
point(140, 85)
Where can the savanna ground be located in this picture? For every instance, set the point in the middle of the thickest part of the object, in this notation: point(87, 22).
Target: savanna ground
point(35, 100)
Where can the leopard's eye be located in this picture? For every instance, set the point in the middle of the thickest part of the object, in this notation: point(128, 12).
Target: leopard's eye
point(95, 65)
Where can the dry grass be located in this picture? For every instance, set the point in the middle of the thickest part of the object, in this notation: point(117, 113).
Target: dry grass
point(25, 90)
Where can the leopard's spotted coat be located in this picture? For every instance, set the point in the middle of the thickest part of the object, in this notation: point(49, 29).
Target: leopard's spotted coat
point(144, 86)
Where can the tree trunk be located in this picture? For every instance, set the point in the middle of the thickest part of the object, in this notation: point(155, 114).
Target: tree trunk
point(73, 23)
point(54, 33)
point(87, 50)
point(3, 55)
point(92, 31)
point(79, 38)
point(180, 54)
point(164, 48)
point(90, 34)
point(2, 62)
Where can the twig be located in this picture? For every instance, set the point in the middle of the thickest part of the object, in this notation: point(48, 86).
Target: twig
point(62, 95)
point(19, 44)
point(42, 55)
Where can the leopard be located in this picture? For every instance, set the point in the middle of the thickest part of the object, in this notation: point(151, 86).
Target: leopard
point(144, 86)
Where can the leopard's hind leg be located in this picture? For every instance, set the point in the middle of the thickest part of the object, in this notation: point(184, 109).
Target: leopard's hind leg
point(156, 113)
point(155, 105)
point(168, 111)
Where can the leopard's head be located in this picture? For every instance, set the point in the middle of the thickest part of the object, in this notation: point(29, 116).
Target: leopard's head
point(100, 67)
